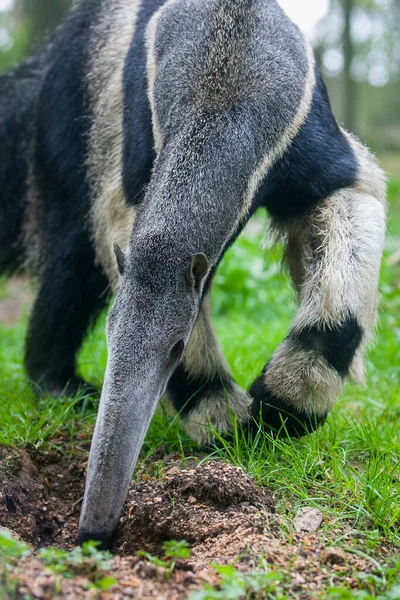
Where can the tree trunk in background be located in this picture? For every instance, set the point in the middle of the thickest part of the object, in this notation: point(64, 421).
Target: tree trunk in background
point(350, 88)
point(42, 17)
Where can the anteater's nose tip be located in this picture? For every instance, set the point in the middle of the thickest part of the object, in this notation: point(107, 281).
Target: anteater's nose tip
point(103, 538)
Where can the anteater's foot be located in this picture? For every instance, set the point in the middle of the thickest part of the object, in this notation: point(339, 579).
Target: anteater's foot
point(64, 388)
point(279, 417)
point(217, 409)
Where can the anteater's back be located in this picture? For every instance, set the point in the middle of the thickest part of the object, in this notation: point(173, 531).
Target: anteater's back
point(19, 90)
point(43, 117)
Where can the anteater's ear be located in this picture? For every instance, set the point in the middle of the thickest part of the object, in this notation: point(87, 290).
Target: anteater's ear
point(120, 258)
point(197, 270)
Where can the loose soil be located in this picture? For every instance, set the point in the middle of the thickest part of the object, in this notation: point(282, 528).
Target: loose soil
point(224, 516)
point(195, 505)
point(39, 496)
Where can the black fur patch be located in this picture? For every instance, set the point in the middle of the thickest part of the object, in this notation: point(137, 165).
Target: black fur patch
point(72, 286)
point(187, 392)
point(338, 346)
point(67, 302)
point(18, 94)
point(139, 151)
point(63, 124)
point(279, 416)
point(319, 162)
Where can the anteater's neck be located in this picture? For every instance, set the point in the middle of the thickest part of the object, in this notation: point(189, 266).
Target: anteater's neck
point(198, 195)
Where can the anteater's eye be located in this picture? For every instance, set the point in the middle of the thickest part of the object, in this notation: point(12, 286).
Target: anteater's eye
point(177, 350)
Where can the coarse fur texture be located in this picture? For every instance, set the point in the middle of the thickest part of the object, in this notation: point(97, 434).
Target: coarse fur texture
point(202, 388)
point(111, 216)
point(18, 94)
point(155, 130)
point(204, 354)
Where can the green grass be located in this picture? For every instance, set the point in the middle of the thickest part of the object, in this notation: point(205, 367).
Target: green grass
point(394, 215)
point(350, 469)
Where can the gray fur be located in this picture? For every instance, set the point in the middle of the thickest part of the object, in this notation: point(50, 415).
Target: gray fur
point(205, 58)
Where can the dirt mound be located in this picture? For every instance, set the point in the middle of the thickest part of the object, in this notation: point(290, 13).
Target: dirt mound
point(218, 484)
point(40, 498)
point(194, 505)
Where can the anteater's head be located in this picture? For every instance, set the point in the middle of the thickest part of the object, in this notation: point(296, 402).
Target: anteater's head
point(148, 328)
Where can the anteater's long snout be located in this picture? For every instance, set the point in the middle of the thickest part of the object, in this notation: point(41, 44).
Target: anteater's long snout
point(121, 425)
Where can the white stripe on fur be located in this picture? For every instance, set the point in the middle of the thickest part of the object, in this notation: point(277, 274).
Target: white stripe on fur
point(288, 136)
point(303, 378)
point(151, 33)
point(111, 217)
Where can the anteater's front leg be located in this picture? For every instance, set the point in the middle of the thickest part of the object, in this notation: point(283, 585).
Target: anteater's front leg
point(334, 256)
point(202, 388)
point(71, 295)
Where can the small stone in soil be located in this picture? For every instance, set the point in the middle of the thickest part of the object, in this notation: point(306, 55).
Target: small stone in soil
point(308, 520)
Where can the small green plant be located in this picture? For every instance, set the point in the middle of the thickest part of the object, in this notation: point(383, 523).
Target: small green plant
point(87, 560)
point(153, 559)
point(236, 585)
point(11, 551)
point(344, 594)
point(178, 550)
point(173, 550)
point(383, 585)
point(10, 548)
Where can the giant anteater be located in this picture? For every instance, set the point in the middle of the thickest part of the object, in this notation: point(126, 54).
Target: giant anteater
point(154, 130)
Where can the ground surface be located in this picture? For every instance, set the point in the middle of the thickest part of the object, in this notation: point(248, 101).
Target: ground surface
point(223, 515)
point(239, 506)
